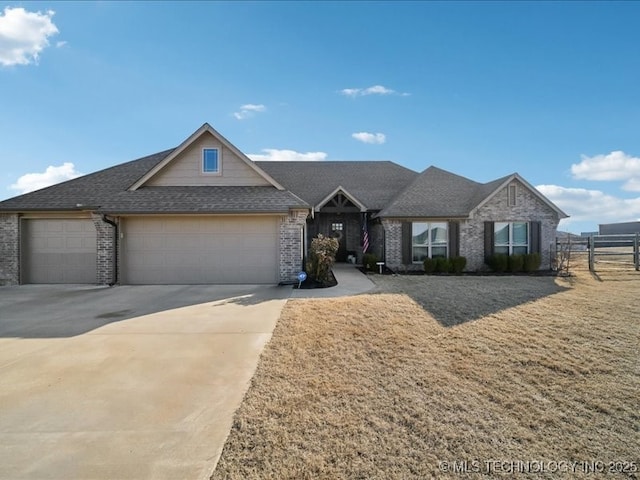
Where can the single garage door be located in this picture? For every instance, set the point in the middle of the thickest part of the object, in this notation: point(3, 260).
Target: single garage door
point(58, 251)
point(192, 250)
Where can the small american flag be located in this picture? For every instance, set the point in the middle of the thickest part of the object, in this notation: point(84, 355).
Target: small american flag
point(365, 235)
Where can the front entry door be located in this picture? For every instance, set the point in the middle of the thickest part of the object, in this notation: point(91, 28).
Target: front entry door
point(339, 231)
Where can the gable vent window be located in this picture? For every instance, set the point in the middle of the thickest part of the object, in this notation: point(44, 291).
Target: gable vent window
point(512, 195)
point(210, 160)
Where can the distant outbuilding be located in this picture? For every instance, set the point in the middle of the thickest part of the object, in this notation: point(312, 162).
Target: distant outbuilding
point(619, 228)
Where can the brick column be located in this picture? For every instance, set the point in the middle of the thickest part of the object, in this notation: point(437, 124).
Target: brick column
point(9, 249)
point(105, 250)
point(291, 247)
point(393, 242)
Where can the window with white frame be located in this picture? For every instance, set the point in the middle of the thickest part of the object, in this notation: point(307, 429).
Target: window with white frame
point(428, 240)
point(511, 238)
point(337, 227)
point(210, 160)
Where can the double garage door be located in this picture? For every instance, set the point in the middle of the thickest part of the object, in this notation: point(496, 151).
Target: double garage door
point(191, 250)
point(155, 250)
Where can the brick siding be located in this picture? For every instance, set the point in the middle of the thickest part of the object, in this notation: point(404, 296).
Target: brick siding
point(291, 244)
point(528, 208)
point(104, 250)
point(9, 249)
point(393, 242)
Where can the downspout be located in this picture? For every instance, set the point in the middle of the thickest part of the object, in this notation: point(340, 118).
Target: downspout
point(115, 248)
point(384, 245)
point(304, 247)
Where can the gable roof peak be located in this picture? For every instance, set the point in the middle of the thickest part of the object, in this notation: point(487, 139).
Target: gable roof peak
point(204, 129)
point(490, 189)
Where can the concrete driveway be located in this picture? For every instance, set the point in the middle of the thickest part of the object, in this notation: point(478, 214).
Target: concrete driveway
point(132, 382)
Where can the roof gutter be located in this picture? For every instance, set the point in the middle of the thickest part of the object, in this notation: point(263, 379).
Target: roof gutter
point(115, 248)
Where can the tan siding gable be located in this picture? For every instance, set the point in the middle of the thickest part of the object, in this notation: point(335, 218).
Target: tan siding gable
point(186, 168)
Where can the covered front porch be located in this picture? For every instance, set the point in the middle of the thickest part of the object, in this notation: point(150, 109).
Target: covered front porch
point(343, 217)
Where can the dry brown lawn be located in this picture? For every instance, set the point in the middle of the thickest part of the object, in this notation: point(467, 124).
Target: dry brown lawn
point(426, 370)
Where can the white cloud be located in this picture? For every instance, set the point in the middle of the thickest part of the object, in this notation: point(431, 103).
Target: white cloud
point(52, 175)
point(366, 137)
point(377, 90)
point(350, 92)
point(249, 110)
point(616, 165)
point(374, 90)
point(272, 154)
point(23, 35)
point(594, 206)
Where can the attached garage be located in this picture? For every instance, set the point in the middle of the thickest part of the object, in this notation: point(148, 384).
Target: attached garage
point(58, 251)
point(200, 249)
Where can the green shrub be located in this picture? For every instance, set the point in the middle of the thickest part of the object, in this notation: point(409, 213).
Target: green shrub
point(531, 262)
point(369, 261)
point(516, 263)
point(498, 262)
point(441, 265)
point(429, 265)
point(322, 255)
point(458, 264)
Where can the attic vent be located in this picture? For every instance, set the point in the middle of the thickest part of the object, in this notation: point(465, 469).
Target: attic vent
point(513, 190)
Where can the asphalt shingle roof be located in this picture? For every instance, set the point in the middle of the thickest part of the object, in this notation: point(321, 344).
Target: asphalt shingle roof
point(438, 193)
point(373, 183)
point(379, 185)
point(203, 200)
point(107, 191)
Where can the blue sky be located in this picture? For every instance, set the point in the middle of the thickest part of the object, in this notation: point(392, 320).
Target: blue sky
point(483, 89)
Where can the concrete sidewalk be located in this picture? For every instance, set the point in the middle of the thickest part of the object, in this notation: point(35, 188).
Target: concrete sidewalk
point(351, 281)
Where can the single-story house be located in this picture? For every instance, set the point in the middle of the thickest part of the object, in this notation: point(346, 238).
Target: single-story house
point(203, 212)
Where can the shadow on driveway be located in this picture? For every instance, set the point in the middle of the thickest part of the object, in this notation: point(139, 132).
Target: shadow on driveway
point(454, 300)
point(56, 311)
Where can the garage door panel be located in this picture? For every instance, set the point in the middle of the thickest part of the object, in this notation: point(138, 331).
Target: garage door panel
point(74, 242)
point(211, 227)
point(75, 227)
point(146, 242)
point(37, 243)
point(54, 243)
point(183, 242)
point(252, 241)
point(181, 226)
point(58, 251)
point(200, 250)
point(79, 260)
point(52, 226)
point(181, 259)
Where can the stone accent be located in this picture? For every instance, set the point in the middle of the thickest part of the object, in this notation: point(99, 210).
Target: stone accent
point(528, 208)
point(105, 250)
point(291, 244)
point(9, 249)
point(393, 242)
